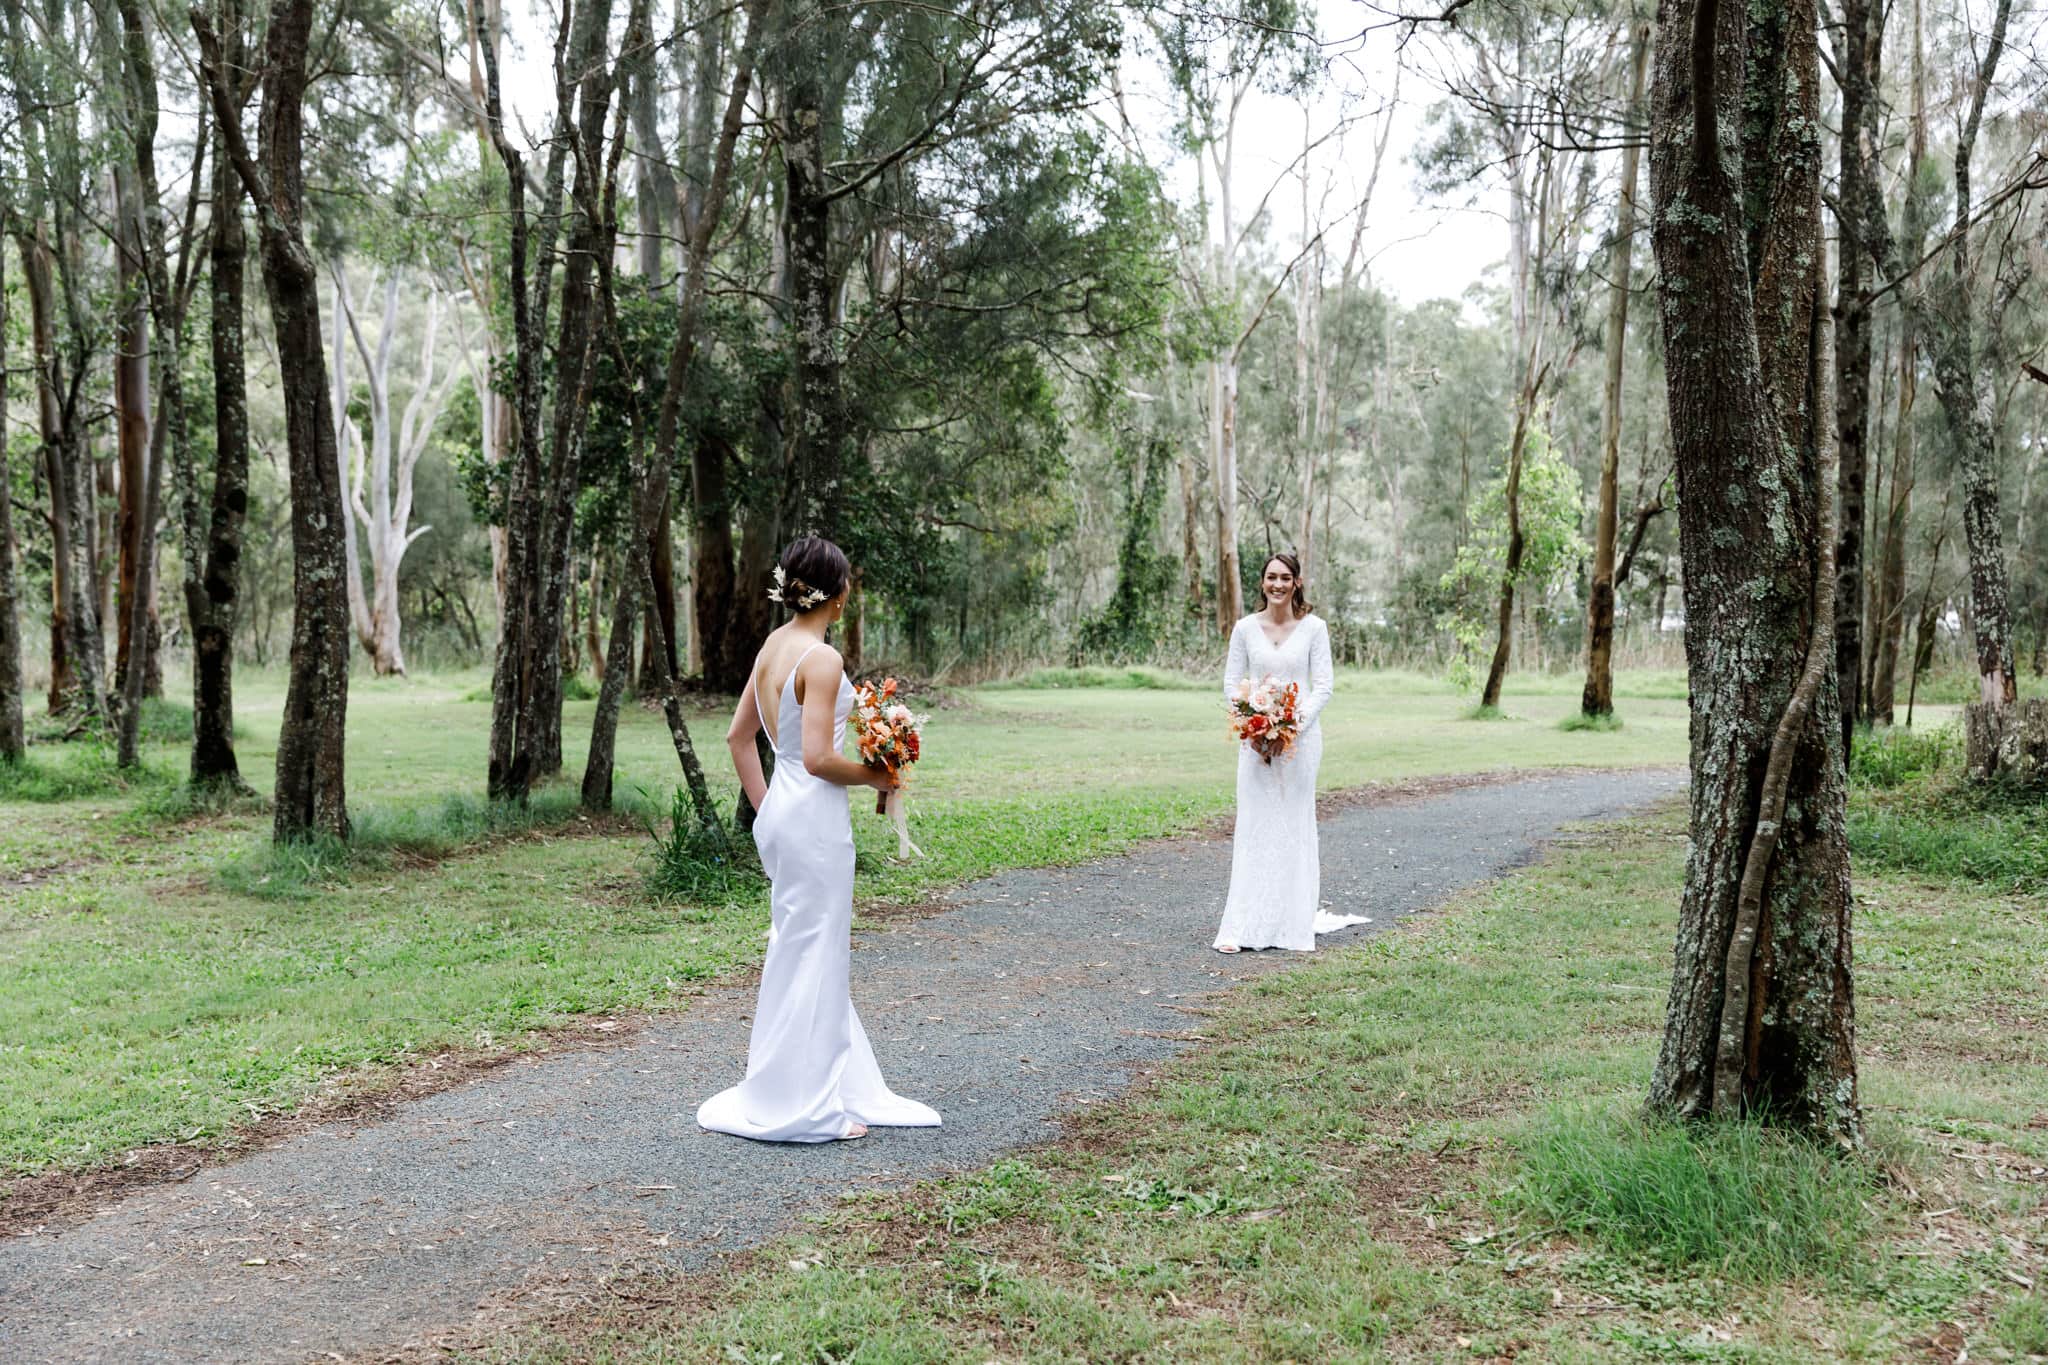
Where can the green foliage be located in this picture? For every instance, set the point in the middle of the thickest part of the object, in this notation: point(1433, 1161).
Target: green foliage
point(73, 772)
point(1145, 609)
point(1913, 809)
point(1552, 505)
point(1579, 722)
point(704, 866)
point(1891, 756)
point(300, 870)
point(1738, 1199)
point(2022, 1328)
point(1942, 826)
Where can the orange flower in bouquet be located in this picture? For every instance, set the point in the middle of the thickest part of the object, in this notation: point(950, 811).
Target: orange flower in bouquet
point(1264, 714)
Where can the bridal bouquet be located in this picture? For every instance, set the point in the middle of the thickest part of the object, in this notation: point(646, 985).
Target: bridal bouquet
point(890, 735)
point(1263, 715)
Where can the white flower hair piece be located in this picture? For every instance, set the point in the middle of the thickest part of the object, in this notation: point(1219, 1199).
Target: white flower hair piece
point(787, 588)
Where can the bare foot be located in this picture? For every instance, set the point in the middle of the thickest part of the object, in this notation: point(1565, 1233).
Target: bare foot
point(1227, 948)
point(859, 1130)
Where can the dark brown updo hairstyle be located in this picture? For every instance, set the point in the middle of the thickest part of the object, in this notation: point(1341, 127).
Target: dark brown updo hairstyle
point(812, 567)
point(1301, 602)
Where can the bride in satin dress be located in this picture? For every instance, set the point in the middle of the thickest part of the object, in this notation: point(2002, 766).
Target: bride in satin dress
point(1275, 862)
point(811, 1075)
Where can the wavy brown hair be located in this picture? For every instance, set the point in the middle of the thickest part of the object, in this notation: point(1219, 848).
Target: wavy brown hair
point(1293, 565)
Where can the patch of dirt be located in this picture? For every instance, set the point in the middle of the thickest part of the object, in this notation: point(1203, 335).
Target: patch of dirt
point(358, 1097)
point(36, 874)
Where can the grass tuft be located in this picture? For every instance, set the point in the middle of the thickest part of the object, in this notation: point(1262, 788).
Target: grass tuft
point(707, 867)
point(175, 805)
point(1605, 723)
point(1737, 1198)
point(72, 772)
point(2023, 1327)
point(301, 870)
point(1889, 757)
point(1484, 712)
point(1954, 830)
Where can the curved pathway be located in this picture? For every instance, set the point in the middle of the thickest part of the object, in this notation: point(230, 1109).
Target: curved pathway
point(1037, 992)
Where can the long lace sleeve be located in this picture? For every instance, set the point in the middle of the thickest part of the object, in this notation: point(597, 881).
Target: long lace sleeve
point(1239, 662)
point(1322, 676)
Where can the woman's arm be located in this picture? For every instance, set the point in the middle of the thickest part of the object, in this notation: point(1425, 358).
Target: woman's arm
point(739, 739)
point(1322, 676)
point(819, 679)
point(1239, 662)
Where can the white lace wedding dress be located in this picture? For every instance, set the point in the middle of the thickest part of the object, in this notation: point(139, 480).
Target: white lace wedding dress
point(811, 1075)
point(1275, 867)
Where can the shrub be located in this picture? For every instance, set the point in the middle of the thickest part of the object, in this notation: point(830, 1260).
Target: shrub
point(705, 865)
point(1890, 757)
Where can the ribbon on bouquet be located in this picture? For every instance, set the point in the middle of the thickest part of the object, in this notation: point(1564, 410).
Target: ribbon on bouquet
point(892, 805)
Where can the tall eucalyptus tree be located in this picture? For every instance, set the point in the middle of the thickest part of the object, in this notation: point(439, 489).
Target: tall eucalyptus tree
point(1761, 1016)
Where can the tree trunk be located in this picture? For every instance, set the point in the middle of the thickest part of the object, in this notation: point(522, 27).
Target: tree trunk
point(660, 610)
point(526, 684)
point(1190, 524)
point(1766, 905)
point(1861, 61)
point(1950, 329)
point(134, 528)
point(1229, 573)
point(1511, 568)
point(651, 482)
point(713, 581)
point(818, 438)
point(589, 236)
point(166, 299)
point(1888, 617)
point(78, 659)
point(1598, 697)
point(311, 793)
point(13, 742)
point(213, 592)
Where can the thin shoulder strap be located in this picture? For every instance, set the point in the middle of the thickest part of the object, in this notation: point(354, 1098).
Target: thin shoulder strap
point(789, 683)
point(800, 659)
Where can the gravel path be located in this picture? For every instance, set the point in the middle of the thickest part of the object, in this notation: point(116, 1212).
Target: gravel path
point(1039, 992)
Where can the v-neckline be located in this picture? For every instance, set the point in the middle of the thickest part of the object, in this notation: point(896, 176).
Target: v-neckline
point(1271, 643)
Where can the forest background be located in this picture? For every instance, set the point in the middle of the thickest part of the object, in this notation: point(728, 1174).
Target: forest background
point(1080, 315)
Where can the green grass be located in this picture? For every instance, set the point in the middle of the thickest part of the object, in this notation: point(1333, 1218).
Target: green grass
point(1427, 1147)
point(1144, 678)
point(1916, 811)
point(1734, 1199)
point(165, 973)
point(1605, 723)
point(1886, 757)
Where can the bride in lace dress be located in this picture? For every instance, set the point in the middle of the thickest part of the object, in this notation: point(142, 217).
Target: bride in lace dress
point(1275, 870)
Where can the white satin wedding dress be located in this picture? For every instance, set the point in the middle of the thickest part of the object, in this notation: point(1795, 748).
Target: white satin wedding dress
point(1275, 864)
point(811, 1075)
